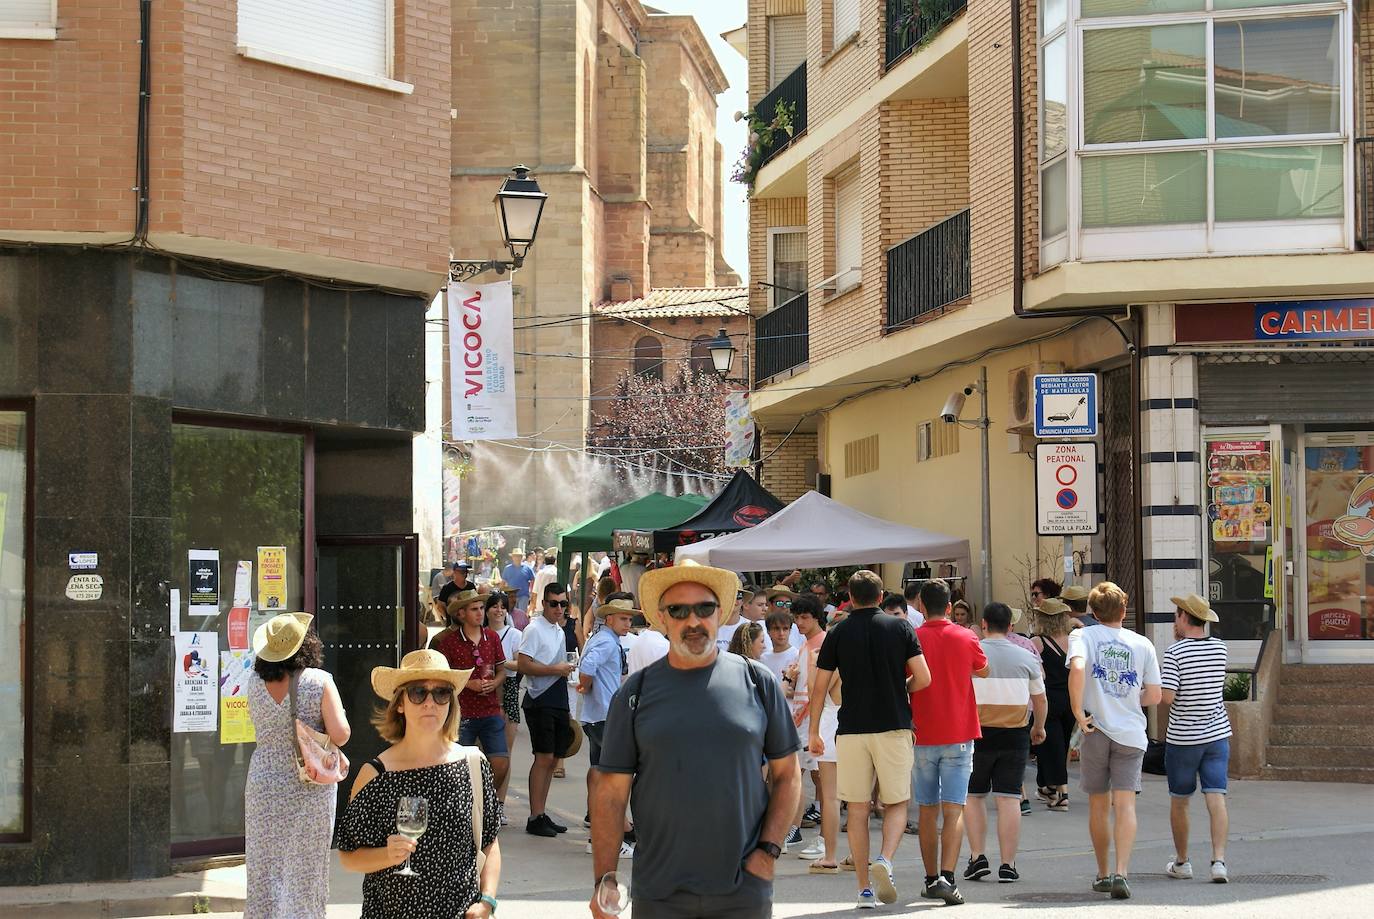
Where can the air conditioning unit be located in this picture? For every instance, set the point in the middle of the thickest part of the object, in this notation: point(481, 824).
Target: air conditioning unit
point(1021, 394)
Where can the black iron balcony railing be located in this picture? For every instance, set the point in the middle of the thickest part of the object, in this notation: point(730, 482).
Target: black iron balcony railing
point(791, 93)
point(781, 339)
point(1364, 193)
point(929, 271)
point(909, 22)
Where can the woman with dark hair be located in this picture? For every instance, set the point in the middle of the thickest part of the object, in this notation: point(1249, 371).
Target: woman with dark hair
point(1043, 589)
point(287, 823)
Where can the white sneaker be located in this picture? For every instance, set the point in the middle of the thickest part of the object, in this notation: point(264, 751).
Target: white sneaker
point(1219, 873)
point(589, 847)
point(627, 850)
point(1182, 870)
point(881, 869)
point(813, 851)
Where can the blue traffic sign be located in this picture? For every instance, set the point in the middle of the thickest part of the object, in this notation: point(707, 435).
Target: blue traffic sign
point(1066, 405)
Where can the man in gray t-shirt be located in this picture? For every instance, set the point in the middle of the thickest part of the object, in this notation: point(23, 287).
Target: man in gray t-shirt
point(688, 734)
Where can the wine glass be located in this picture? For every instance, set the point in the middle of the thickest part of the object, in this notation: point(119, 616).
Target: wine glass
point(611, 895)
point(572, 675)
point(412, 819)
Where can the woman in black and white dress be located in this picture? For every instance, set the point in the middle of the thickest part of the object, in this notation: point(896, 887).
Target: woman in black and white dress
point(421, 722)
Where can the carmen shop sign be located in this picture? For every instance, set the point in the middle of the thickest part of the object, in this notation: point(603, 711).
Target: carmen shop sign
point(1314, 319)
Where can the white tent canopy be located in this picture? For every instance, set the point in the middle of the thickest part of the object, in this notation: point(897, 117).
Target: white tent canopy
point(816, 532)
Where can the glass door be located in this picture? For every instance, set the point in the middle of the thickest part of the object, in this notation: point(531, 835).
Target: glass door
point(367, 613)
point(1338, 558)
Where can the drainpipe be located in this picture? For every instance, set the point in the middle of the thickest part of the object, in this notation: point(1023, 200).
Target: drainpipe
point(1018, 167)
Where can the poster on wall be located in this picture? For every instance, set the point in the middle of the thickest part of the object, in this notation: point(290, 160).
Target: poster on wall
point(203, 565)
point(482, 353)
point(243, 584)
point(1240, 479)
point(739, 430)
point(235, 724)
point(237, 629)
point(272, 577)
point(1340, 542)
point(195, 681)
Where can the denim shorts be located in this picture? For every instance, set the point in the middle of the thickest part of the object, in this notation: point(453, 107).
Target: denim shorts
point(489, 732)
point(941, 774)
point(1186, 763)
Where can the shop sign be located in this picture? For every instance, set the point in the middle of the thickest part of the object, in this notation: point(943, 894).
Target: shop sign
point(1307, 320)
point(79, 561)
point(1066, 405)
point(85, 587)
point(1066, 489)
point(633, 541)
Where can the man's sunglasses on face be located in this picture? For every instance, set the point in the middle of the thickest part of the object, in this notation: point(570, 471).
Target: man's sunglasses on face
point(704, 610)
point(783, 603)
point(558, 604)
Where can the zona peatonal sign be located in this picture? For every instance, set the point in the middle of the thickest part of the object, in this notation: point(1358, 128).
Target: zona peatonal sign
point(1066, 489)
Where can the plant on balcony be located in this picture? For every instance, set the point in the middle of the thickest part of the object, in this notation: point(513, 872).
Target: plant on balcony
point(764, 138)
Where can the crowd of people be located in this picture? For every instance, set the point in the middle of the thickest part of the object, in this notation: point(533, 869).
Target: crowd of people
point(722, 720)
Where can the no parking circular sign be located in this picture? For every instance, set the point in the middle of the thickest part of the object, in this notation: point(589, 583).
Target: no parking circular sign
point(1066, 489)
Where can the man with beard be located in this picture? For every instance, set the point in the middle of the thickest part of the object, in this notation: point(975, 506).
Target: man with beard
point(706, 848)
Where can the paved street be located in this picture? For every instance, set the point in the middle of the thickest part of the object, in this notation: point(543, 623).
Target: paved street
point(1322, 832)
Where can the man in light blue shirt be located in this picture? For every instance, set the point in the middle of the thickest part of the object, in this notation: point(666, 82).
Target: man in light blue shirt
point(519, 576)
point(600, 671)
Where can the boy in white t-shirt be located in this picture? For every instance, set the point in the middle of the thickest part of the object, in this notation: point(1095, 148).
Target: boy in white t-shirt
point(1113, 676)
point(780, 654)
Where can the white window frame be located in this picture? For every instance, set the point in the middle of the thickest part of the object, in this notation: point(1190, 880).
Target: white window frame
point(41, 29)
point(1208, 239)
point(298, 62)
point(773, 233)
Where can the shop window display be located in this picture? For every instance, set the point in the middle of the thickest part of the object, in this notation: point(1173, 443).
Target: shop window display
point(1340, 541)
point(1240, 535)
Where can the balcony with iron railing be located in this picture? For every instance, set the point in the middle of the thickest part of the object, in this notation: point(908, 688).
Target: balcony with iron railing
point(911, 22)
point(782, 339)
point(790, 94)
point(928, 272)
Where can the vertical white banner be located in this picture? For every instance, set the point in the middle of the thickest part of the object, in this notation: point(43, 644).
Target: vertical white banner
point(739, 430)
point(481, 343)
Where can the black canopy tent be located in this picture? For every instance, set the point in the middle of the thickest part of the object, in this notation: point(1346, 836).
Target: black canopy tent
point(741, 504)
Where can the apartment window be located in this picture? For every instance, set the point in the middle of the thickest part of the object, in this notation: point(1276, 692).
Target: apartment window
point(849, 233)
point(14, 455)
point(786, 263)
point(649, 358)
point(844, 21)
point(351, 41)
point(1204, 126)
point(861, 456)
point(786, 46)
point(936, 438)
point(28, 18)
point(1054, 132)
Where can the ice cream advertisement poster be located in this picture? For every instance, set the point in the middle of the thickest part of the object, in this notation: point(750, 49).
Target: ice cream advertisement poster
point(235, 724)
point(1239, 482)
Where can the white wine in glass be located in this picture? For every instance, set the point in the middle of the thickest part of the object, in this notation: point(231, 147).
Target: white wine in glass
point(412, 819)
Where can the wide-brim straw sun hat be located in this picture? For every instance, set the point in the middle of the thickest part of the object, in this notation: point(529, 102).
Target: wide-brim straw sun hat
point(654, 584)
point(1196, 607)
point(1074, 592)
point(281, 636)
point(611, 607)
point(464, 596)
point(781, 590)
point(1053, 606)
point(417, 666)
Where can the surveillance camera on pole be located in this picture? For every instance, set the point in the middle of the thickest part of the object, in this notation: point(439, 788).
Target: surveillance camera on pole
point(954, 405)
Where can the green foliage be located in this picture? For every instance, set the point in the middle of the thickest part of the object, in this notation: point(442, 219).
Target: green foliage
point(1236, 688)
point(762, 137)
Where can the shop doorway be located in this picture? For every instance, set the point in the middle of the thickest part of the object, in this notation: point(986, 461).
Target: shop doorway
point(367, 613)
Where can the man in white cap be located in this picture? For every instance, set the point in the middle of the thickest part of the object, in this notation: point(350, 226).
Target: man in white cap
point(1197, 744)
point(688, 733)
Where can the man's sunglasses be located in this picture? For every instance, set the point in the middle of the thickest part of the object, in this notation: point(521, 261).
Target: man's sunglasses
point(442, 695)
point(703, 610)
point(558, 604)
point(783, 603)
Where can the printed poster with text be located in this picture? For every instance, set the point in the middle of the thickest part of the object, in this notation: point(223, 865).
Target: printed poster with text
point(272, 578)
point(235, 724)
point(482, 352)
point(203, 565)
point(195, 679)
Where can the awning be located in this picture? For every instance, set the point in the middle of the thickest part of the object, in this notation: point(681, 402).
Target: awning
point(650, 512)
point(741, 504)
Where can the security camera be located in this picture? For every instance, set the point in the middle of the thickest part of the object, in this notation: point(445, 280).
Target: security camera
point(954, 406)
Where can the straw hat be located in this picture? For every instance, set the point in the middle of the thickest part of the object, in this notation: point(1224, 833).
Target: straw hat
point(1053, 606)
point(654, 584)
point(576, 743)
point(464, 596)
point(280, 637)
point(1196, 607)
point(616, 606)
point(416, 666)
point(781, 590)
point(1074, 592)
point(1015, 614)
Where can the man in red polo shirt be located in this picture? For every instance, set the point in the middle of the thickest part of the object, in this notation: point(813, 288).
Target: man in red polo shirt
point(944, 716)
point(468, 645)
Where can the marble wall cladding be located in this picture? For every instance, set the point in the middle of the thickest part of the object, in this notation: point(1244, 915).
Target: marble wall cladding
point(362, 487)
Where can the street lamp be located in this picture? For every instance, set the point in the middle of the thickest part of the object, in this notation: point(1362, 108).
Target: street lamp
point(519, 205)
point(722, 353)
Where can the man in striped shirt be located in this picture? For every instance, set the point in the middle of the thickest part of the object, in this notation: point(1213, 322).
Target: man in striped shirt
point(1197, 745)
point(1014, 685)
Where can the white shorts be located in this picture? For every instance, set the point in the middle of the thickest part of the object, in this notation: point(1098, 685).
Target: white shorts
point(830, 722)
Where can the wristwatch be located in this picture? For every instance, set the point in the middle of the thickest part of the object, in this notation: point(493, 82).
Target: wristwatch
point(489, 900)
point(771, 849)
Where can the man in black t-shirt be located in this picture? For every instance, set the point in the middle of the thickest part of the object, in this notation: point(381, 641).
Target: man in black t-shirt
point(459, 583)
point(879, 661)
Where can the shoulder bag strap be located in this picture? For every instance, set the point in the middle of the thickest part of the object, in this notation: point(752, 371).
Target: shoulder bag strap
point(474, 757)
point(295, 738)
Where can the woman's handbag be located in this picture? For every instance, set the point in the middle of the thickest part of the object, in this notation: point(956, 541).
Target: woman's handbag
point(478, 799)
point(318, 761)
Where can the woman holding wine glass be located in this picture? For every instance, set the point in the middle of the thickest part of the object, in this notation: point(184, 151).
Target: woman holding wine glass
point(413, 805)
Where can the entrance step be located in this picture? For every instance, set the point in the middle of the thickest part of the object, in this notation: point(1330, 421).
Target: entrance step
point(1320, 714)
point(1343, 674)
point(1324, 735)
point(1312, 755)
point(1314, 693)
point(1363, 775)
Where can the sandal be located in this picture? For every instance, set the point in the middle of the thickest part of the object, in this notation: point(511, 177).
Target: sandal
point(1059, 803)
point(1045, 793)
point(847, 863)
point(818, 868)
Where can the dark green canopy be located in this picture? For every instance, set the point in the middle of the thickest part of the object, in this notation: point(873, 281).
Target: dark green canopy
point(652, 512)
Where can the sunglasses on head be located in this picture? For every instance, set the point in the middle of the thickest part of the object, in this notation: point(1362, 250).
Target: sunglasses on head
point(558, 604)
point(704, 610)
point(442, 695)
